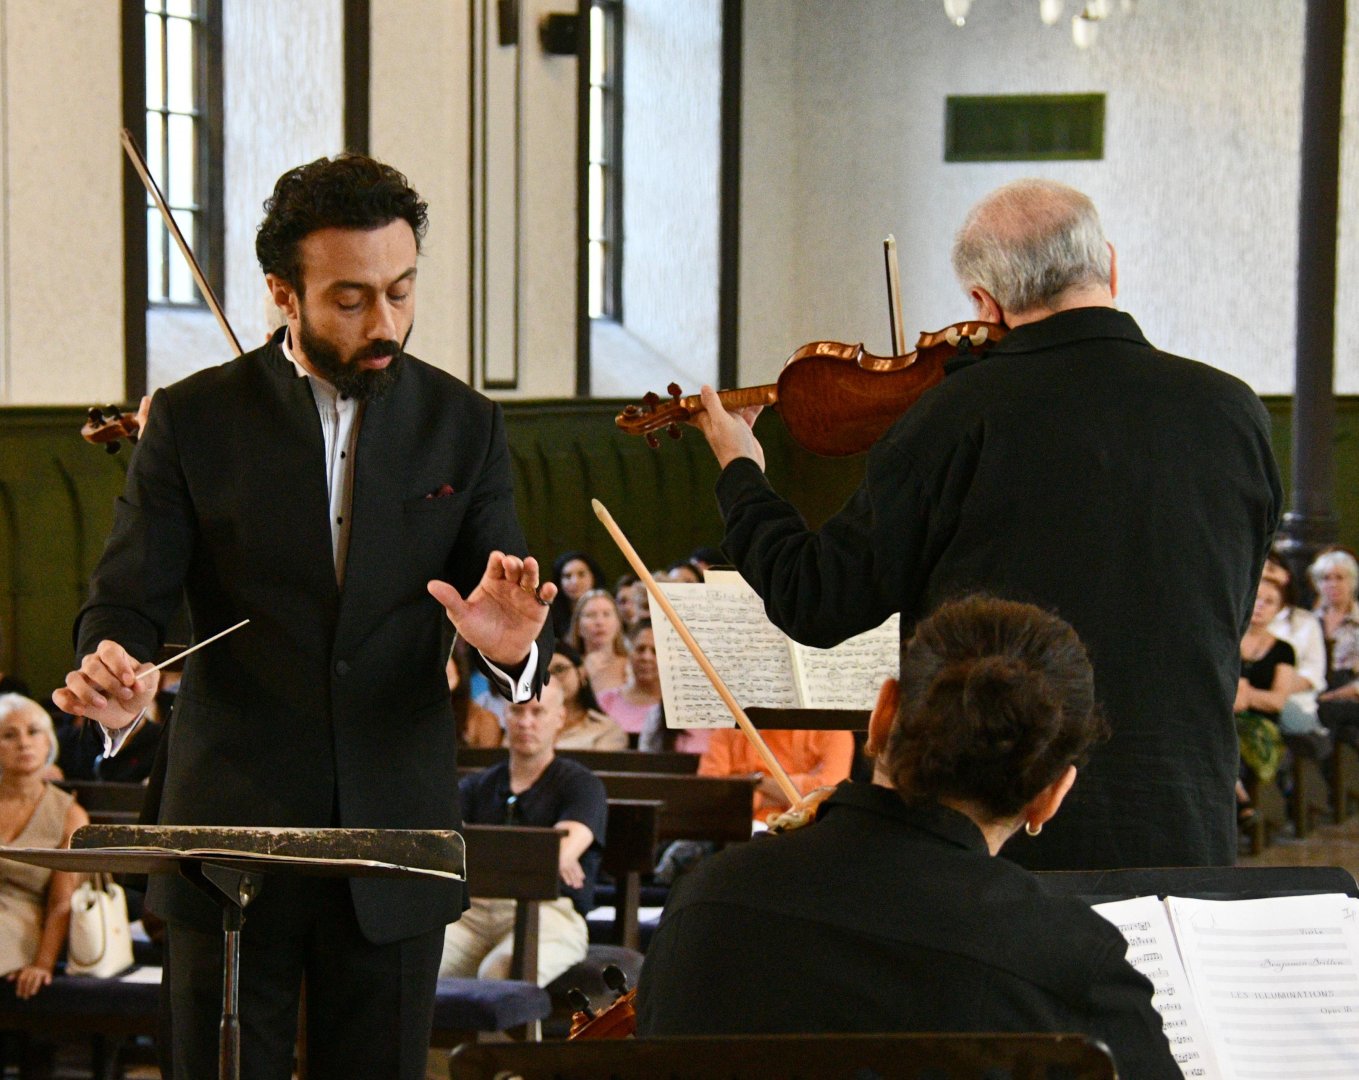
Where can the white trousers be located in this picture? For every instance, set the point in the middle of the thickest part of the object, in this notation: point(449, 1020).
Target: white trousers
point(479, 945)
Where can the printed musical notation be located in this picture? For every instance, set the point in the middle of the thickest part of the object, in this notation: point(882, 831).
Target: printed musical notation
point(1251, 989)
point(1152, 950)
point(1277, 981)
point(761, 666)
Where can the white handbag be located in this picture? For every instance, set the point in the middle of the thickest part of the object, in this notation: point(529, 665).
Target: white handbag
point(99, 942)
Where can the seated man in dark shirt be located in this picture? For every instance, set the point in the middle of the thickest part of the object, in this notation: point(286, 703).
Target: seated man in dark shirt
point(889, 912)
point(534, 787)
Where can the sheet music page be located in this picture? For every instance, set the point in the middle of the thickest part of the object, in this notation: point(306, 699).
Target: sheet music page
point(1152, 951)
point(1277, 981)
point(848, 675)
point(728, 621)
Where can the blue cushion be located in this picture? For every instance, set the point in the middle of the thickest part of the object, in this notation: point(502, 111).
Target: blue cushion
point(488, 1004)
point(78, 995)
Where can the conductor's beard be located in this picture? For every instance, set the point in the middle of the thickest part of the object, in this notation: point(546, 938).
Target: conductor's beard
point(354, 376)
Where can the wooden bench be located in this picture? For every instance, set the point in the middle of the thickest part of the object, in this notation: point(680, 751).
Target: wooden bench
point(595, 760)
point(108, 802)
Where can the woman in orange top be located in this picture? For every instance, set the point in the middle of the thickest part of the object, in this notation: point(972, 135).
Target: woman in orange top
point(812, 759)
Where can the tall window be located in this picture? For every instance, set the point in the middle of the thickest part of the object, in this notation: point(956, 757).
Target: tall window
point(183, 145)
point(604, 176)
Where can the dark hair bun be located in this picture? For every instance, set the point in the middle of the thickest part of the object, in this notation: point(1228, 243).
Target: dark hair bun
point(997, 700)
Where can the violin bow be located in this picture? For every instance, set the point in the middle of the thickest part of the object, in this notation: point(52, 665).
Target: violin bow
point(134, 155)
point(780, 775)
point(896, 326)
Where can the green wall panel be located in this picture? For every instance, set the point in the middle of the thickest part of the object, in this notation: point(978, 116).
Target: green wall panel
point(57, 493)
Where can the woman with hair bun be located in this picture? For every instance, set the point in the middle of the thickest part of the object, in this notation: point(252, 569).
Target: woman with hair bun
point(890, 913)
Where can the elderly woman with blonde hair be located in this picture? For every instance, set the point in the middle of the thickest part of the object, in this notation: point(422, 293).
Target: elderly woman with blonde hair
point(1335, 575)
point(35, 904)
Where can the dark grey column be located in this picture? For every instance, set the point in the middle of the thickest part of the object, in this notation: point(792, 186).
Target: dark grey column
point(1311, 523)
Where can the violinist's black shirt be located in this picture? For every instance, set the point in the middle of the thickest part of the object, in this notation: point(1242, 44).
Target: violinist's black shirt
point(884, 917)
point(1075, 467)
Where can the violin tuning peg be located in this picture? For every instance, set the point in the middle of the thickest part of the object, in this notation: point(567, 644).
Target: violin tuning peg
point(95, 415)
point(112, 447)
point(615, 979)
point(674, 391)
point(631, 410)
point(673, 430)
point(651, 398)
point(579, 1001)
point(652, 441)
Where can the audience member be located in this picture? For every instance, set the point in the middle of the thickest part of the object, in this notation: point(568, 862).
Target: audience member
point(656, 737)
point(639, 697)
point(1335, 575)
point(1267, 677)
point(812, 759)
point(1301, 629)
point(597, 634)
point(475, 724)
point(707, 557)
point(625, 596)
point(585, 726)
point(35, 904)
point(575, 574)
point(534, 787)
point(889, 913)
point(683, 571)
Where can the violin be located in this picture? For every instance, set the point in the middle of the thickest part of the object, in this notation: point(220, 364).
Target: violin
point(107, 427)
point(836, 399)
point(618, 1020)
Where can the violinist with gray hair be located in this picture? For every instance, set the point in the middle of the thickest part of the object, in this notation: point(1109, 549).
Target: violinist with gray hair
point(1072, 465)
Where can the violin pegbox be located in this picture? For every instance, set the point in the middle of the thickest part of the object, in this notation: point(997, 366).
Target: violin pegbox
point(653, 414)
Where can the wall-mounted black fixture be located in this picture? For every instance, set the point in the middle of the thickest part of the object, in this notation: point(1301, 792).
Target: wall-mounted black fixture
point(558, 32)
point(507, 16)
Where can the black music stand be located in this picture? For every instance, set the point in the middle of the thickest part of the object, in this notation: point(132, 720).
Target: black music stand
point(229, 865)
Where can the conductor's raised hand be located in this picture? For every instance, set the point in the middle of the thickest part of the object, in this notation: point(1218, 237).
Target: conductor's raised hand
point(105, 687)
point(729, 434)
point(505, 612)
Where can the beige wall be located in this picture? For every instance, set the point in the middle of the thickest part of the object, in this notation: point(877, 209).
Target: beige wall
point(1198, 187)
point(1201, 201)
point(61, 256)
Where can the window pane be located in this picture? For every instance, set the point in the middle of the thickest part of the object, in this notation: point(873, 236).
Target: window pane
point(597, 45)
point(181, 279)
point(179, 64)
point(153, 72)
point(596, 124)
point(155, 5)
point(180, 7)
point(596, 300)
point(155, 149)
point(596, 203)
point(181, 192)
point(155, 259)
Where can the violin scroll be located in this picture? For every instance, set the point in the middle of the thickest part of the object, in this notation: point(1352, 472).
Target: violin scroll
point(651, 415)
point(108, 426)
point(617, 1021)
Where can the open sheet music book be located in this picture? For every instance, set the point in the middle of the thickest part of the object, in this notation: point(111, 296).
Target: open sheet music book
point(762, 666)
point(1251, 989)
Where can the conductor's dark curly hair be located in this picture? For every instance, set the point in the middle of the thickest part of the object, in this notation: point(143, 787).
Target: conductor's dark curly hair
point(997, 699)
point(351, 191)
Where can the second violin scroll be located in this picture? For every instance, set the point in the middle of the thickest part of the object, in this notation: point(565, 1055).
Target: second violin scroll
point(836, 399)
